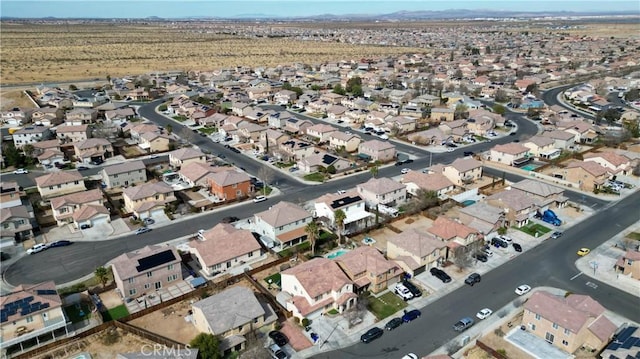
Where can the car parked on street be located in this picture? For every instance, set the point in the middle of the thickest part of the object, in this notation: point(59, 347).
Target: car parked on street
point(411, 315)
point(463, 324)
point(142, 230)
point(523, 289)
point(583, 252)
point(371, 335)
point(404, 171)
point(259, 199)
point(393, 323)
point(556, 235)
point(60, 243)
point(484, 313)
point(517, 247)
point(472, 279)
point(20, 171)
point(37, 248)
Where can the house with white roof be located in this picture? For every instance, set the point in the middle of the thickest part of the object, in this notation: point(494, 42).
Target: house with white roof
point(351, 203)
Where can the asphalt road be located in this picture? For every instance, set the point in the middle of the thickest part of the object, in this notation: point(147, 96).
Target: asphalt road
point(549, 264)
point(550, 97)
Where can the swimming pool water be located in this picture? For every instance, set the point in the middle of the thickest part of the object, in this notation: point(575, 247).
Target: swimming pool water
point(529, 167)
point(336, 254)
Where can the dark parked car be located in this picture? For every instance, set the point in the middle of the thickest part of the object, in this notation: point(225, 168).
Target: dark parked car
point(411, 315)
point(472, 279)
point(463, 324)
point(231, 219)
point(440, 274)
point(517, 247)
point(412, 288)
point(371, 335)
point(481, 257)
point(4, 256)
point(468, 153)
point(85, 226)
point(61, 243)
point(393, 324)
point(82, 168)
point(556, 235)
point(278, 338)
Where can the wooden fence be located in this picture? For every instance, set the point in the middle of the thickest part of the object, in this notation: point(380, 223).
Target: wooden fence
point(490, 350)
point(61, 342)
point(143, 333)
point(279, 308)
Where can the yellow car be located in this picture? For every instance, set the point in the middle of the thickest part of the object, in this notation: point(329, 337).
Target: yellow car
point(583, 252)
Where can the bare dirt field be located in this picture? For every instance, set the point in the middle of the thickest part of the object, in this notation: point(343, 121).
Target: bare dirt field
point(59, 52)
point(169, 322)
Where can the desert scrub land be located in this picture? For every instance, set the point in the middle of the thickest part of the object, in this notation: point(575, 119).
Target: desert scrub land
point(66, 52)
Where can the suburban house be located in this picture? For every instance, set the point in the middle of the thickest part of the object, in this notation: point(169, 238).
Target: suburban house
point(14, 117)
point(568, 322)
point(588, 175)
point(59, 183)
point(542, 147)
point(70, 134)
point(442, 114)
point(377, 150)
point(463, 171)
point(321, 132)
point(415, 252)
point(16, 223)
point(186, 155)
point(483, 217)
point(153, 142)
point(30, 313)
point(342, 141)
point(124, 174)
point(615, 163)
point(30, 135)
point(315, 161)
point(147, 200)
point(350, 203)
point(146, 270)
point(232, 312)
point(297, 126)
point(456, 235)
point(93, 149)
point(10, 194)
point(382, 191)
point(295, 150)
point(48, 152)
point(230, 185)
point(518, 206)
point(314, 287)
point(368, 269)
point(508, 153)
point(195, 173)
point(284, 97)
point(562, 139)
point(629, 264)
point(224, 247)
point(546, 194)
point(89, 215)
point(64, 207)
point(270, 140)
point(625, 344)
point(403, 124)
point(81, 115)
point(283, 223)
point(250, 132)
point(436, 182)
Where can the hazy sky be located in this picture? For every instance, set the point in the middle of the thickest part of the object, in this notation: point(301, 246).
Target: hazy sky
point(241, 8)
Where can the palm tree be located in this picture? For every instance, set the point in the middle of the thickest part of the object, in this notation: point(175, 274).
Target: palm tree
point(374, 170)
point(102, 274)
point(340, 216)
point(312, 231)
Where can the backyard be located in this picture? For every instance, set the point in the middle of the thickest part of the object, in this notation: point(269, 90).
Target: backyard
point(78, 312)
point(115, 313)
point(385, 305)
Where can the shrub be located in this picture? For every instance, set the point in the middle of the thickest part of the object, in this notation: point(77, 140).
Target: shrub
point(502, 352)
point(305, 322)
point(499, 332)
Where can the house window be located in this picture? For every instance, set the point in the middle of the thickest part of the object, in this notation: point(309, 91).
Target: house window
point(149, 274)
point(564, 342)
point(537, 316)
point(59, 186)
point(76, 182)
point(549, 337)
point(132, 291)
point(235, 185)
point(170, 267)
point(567, 332)
point(131, 280)
point(115, 176)
point(533, 327)
point(250, 254)
point(147, 286)
point(45, 316)
point(30, 319)
point(555, 326)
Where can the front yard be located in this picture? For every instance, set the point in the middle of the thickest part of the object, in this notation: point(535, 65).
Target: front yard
point(533, 228)
point(316, 177)
point(385, 305)
point(208, 130)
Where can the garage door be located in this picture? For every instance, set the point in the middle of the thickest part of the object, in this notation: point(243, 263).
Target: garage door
point(419, 270)
point(156, 213)
point(99, 220)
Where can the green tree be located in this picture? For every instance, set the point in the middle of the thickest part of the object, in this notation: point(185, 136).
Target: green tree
point(352, 82)
point(313, 230)
point(499, 109)
point(461, 111)
point(73, 87)
point(208, 346)
point(331, 169)
point(102, 275)
point(12, 155)
point(632, 95)
point(338, 89)
point(374, 170)
point(501, 96)
point(340, 217)
point(169, 128)
point(357, 91)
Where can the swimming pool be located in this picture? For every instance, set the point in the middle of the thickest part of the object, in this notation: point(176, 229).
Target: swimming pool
point(336, 254)
point(529, 167)
point(468, 202)
point(82, 356)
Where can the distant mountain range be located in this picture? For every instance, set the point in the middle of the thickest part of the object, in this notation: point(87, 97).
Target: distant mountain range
point(395, 16)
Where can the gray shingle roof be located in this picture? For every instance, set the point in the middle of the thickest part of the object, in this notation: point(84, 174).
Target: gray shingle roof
point(230, 309)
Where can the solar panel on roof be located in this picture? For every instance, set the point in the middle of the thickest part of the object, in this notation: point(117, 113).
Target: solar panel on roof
point(44, 305)
point(155, 260)
point(4, 319)
point(629, 343)
point(46, 292)
point(344, 201)
point(614, 346)
point(626, 334)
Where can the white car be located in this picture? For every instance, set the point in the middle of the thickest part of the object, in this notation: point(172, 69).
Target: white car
point(484, 313)
point(488, 252)
point(259, 199)
point(505, 238)
point(404, 171)
point(403, 291)
point(523, 289)
point(341, 191)
point(20, 171)
point(410, 356)
point(37, 248)
point(450, 149)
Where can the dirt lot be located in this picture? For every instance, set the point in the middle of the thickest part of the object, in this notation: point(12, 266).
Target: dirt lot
point(169, 322)
point(497, 342)
point(98, 346)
